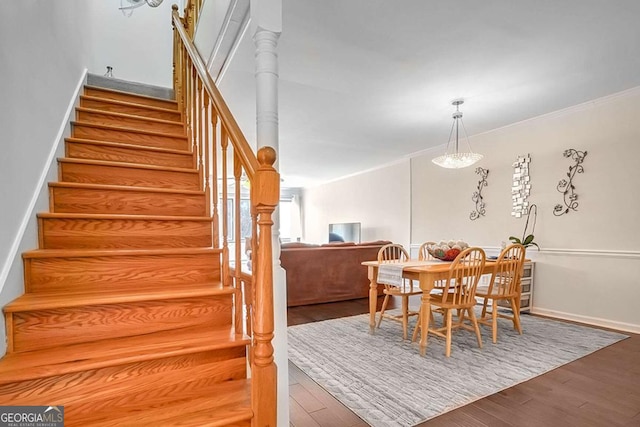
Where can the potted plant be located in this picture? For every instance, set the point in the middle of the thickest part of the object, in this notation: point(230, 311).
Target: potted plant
point(527, 239)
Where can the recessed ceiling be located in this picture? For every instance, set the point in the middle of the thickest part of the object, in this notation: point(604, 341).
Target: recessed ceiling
point(365, 83)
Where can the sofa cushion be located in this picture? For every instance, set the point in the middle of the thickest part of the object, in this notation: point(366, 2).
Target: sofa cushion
point(376, 243)
point(338, 244)
point(298, 245)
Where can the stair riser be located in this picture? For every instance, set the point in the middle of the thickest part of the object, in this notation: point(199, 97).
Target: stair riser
point(41, 329)
point(134, 110)
point(185, 388)
point(89, 274)
point(87, 389)
point(129, 176)
point(213, 411)
point(176, 128)
point(136, 202)
point(62, 233)
point(127, 97)
point(114, 135)
point(168, 357)
point(128, 155)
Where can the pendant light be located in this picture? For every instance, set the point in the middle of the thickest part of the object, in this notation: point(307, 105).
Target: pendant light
point(457, 159)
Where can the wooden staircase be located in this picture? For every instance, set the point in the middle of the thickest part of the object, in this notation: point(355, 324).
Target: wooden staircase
point(125, 319)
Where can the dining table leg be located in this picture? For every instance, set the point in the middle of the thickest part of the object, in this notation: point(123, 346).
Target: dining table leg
point(425, 315)
point(373, 298)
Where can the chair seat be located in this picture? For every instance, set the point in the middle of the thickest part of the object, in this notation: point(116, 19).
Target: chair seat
point(483, 291)
point(398, 291)
point(448, 303)
point(399, 317)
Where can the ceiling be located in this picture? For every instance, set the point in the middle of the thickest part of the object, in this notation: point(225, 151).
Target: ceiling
point(364, 83)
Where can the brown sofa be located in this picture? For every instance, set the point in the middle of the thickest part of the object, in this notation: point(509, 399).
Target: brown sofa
point(327, 273)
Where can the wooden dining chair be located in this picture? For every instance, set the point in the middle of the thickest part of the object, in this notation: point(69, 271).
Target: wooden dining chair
point(397, 253)
point(459, 294)
point(504, 286)
point(423, 253)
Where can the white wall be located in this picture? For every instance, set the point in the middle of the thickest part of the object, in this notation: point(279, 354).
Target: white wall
point(46, 48)
point(139, 47)
point(209, 26)
point(42, 60)
point(380, 200)
point(588, 267)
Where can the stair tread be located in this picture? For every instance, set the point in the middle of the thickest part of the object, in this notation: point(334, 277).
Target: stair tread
point(45, 301)
point(115, 351)
point(126, 165)
point(128, 129)
point(213, 405)
point(163, 377)
point(132, 146)
point(126, 115)
point(86, 186)
point(137, 95)
point(127, 104)
point(50, 253)
point(64, 215)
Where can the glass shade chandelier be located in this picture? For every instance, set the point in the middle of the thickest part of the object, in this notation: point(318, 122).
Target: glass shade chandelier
point(457, 159)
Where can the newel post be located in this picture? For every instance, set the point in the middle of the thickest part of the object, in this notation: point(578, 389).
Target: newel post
point(265, 195)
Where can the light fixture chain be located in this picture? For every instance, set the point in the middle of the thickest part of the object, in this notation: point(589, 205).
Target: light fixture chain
point(457, 159)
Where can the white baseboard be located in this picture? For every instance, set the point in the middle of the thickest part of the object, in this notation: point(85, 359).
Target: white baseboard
point(595, 321)
point(41, 183)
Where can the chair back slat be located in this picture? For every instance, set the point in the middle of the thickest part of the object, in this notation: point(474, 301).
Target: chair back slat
point(423, 253)
point(508, 271)
point(393, 252)
point(464, 275)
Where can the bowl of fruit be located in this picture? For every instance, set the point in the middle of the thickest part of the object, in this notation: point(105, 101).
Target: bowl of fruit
point(447, 250)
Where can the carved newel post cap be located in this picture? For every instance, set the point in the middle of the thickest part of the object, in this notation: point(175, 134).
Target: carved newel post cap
point(266, 157)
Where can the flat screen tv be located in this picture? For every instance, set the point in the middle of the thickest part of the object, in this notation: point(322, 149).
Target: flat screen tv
point(344, 232)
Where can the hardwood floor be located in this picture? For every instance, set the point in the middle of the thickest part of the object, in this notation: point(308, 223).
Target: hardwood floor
point(601, 389)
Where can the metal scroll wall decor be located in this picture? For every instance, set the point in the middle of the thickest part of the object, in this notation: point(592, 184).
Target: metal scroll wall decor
point(521, 186)
point(477, 195)
point(566, 187)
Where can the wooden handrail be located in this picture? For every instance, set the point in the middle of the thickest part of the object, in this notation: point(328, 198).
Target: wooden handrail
point(240, 143)
point(217, 142)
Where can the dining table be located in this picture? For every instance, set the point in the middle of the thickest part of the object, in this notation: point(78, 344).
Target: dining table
point(427, 273)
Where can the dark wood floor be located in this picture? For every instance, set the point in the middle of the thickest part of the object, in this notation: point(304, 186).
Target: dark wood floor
point(599, 390)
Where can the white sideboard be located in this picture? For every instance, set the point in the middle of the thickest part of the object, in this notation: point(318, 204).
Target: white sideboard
point(526, 284)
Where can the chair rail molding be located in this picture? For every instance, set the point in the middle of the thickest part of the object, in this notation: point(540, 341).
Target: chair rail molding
point(591, 252)
point(557, 251)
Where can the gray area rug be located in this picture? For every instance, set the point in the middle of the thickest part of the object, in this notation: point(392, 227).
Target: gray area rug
point(383, 379)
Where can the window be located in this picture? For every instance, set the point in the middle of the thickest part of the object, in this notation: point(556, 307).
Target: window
point(289, 230)
point(285, 220)
point(245, 219)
